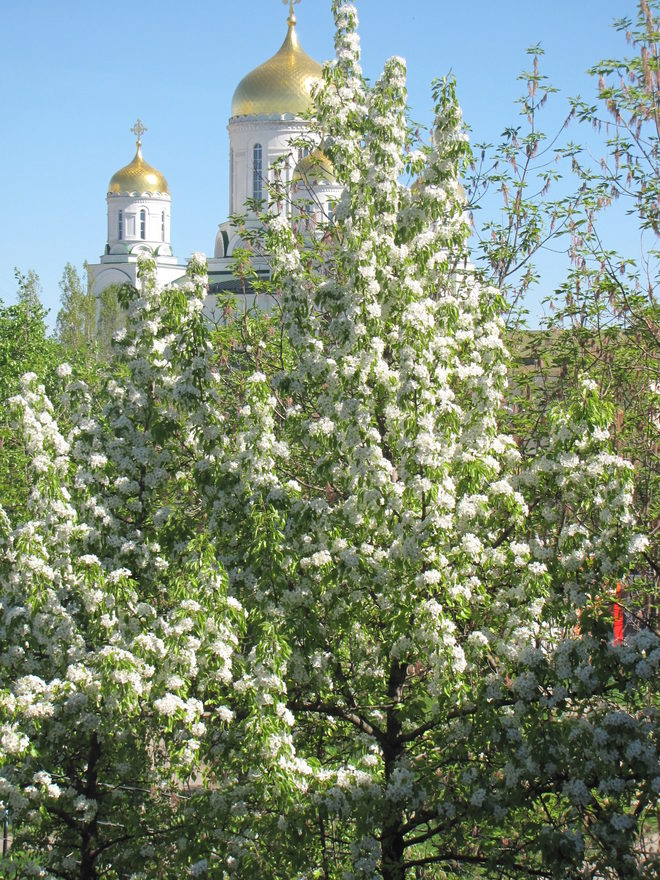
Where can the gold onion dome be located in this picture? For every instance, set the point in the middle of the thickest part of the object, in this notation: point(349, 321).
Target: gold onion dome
point(280, 85)
point(138, 176)
point(315, 166)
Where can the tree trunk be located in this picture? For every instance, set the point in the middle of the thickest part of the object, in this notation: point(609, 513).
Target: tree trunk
point(89, 834)
point(392, 845)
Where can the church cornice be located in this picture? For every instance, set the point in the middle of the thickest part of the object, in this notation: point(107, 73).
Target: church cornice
point(254, 123)
point(145, 196)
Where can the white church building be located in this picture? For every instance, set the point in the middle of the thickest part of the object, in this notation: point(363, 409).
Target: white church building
point(265, 130)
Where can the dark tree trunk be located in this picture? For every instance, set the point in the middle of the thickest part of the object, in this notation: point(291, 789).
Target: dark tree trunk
point(392, 840)
point(89, 834)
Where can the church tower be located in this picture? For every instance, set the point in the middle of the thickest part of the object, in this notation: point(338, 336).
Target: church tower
point(266, 121)
point(139, 205)
point(266, 113)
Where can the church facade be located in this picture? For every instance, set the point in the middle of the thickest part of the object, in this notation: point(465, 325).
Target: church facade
point(269, 142)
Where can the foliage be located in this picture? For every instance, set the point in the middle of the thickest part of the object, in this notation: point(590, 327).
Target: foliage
point(76, 319)
point(598, 214)
point(86, 323)
point(521, 171)
point(111, 318)
point(24, 347)
point(430, 584)
point(287, 599)
point(604, 316)
point(29, 289)
point(628, 110)
point(115, 621)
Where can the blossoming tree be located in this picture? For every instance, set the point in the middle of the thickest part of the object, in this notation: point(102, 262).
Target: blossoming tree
point(316, 617)
point(458, 702)
point(119, 641)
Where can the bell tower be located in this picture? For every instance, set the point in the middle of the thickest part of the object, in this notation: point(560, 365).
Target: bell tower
point(138, 212)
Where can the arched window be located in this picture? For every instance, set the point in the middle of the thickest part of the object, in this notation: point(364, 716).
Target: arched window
point(121, 225)
point(143, 224)
point(257, 173)
point(162, 226)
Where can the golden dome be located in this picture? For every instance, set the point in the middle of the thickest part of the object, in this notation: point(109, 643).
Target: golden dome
point(315, 167)
point(280, 85)
point(138, 176)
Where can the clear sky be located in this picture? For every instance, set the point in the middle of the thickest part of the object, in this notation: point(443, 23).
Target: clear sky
point(75, 75)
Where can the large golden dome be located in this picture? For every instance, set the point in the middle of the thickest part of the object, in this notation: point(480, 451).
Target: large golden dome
point(280, 85)
point(138, 176)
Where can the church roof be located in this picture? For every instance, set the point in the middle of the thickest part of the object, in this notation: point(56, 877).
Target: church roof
point(281, 85)
point(315, 167)
point(138, 176)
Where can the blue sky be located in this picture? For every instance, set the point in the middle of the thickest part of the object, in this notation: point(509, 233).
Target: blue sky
point(75, 75)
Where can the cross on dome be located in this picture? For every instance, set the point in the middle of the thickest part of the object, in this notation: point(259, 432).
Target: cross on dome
point(138, 130)
point(291, 20)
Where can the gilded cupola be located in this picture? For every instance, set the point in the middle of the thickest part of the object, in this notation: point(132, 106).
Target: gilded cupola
point(315, 168)
point(138, 176)
point(282, 85)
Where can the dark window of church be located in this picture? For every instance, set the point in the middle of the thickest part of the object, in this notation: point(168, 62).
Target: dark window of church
point(162, 226)
point(143, 224)
point(121, 225)
point(257, 171)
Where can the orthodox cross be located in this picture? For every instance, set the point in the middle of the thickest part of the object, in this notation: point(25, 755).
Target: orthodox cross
point(138, 130)
point(292, 18)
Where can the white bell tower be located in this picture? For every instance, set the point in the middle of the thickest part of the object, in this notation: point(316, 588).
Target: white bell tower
point(139, 205)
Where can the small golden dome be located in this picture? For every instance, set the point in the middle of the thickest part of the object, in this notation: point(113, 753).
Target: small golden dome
point(280, 85)
point(315, 167)
point(138, 176)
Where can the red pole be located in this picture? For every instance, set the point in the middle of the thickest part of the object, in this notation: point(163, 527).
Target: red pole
point(618, 618)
